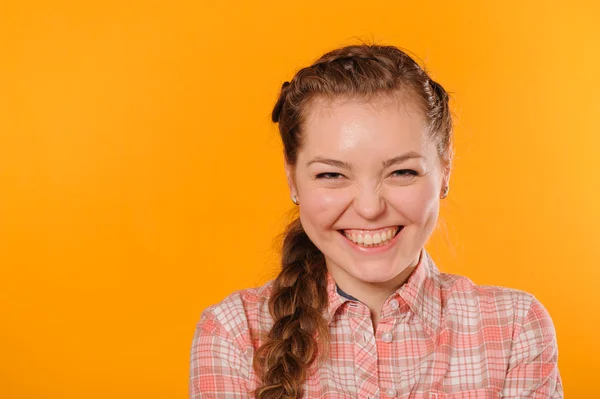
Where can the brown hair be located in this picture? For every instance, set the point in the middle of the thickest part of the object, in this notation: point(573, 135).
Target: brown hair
point(299, 295)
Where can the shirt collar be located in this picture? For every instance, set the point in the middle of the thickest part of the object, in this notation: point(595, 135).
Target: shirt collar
point(421, 295)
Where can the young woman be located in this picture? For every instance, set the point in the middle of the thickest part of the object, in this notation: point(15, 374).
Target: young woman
point(359, 309)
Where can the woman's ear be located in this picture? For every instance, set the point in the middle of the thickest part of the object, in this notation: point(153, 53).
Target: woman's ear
point(291, 178)
point(446, 181)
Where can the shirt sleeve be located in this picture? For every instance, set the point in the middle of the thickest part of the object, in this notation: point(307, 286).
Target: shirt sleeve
point(533, 365)
point(218, 367)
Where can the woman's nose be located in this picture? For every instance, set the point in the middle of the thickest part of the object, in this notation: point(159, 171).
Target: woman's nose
point(369, 203)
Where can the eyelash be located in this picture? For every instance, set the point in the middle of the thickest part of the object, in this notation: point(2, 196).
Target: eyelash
point(333, 175)
point(409, 171)
point(329, 174)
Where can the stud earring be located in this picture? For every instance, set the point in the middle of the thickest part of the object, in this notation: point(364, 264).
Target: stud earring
point(295, 199)
point(445, 193)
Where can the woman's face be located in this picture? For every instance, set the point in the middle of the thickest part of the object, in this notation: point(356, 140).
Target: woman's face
point(368, 180)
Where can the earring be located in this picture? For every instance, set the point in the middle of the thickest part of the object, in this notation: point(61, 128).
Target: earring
point(445, 193)
point(295, 199)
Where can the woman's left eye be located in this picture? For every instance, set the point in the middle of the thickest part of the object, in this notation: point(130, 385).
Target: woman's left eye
point(404, 172)
point(329, 176)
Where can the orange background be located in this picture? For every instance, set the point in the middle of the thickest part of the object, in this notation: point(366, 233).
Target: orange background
point(141, 179)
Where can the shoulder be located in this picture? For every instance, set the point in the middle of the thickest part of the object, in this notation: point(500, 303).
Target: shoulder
point(460, 295)
point(237, 314)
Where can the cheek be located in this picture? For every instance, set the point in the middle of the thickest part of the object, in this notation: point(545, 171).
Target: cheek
point(323, 207)
point(418, 204)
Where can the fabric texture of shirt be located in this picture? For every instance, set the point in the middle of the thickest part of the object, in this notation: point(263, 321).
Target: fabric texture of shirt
point(439, 336)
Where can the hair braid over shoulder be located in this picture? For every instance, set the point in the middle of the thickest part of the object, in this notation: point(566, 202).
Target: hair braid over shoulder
point(299, 297)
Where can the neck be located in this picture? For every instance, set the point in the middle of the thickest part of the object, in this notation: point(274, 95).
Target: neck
point(372, 294)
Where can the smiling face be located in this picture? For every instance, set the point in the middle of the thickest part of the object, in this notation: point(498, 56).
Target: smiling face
point(368, 179)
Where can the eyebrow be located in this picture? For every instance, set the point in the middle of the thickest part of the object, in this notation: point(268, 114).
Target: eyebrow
point(401, 158)
point(331, 162)
point(345, 165)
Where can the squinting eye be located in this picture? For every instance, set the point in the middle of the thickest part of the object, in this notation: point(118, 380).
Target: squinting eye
point(404, 172)
point(329, 175)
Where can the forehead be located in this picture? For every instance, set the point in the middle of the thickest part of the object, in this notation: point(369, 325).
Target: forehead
point(379, 127)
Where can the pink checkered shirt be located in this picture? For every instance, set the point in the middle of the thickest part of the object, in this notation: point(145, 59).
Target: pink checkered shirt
point(439, 336)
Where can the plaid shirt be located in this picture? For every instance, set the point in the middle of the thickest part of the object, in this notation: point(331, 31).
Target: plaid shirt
point(439, 336)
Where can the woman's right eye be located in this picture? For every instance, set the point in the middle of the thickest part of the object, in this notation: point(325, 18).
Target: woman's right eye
point(329, 175)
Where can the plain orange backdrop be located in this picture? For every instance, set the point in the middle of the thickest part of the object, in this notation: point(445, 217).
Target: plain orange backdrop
point(141, 178)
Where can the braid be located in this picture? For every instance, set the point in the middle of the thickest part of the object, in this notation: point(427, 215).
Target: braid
point(298, 299)
point(440, 119)
point(280, 102)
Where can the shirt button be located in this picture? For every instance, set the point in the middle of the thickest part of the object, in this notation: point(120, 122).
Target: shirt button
point(394, 304)
point(387, 337)
point(391, 392)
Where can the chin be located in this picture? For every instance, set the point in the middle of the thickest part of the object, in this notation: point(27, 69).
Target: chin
point(374, 272)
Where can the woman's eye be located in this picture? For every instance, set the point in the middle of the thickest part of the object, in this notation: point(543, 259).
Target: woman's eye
point(329, 175)
point(404, 173)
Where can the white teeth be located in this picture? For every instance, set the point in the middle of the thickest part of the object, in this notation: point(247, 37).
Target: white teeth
point(376, 239)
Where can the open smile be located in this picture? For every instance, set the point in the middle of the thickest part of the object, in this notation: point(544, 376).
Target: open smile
point(371, 239)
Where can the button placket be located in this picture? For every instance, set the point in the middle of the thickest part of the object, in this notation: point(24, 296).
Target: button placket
point(387, 337)
point(365, 353)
